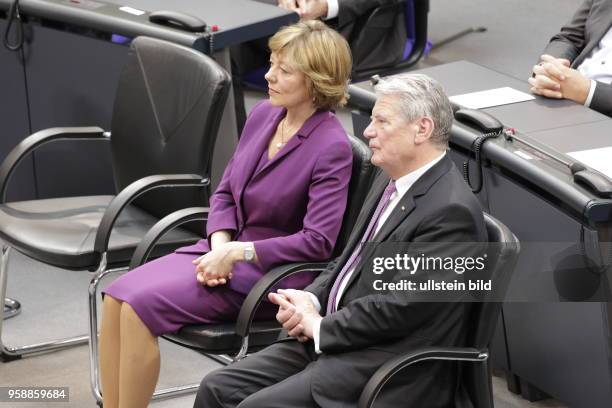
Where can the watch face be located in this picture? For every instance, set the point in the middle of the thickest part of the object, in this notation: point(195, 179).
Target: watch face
point(248, 254)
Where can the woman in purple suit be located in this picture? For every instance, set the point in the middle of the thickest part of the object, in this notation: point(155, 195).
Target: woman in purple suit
point(281, 199)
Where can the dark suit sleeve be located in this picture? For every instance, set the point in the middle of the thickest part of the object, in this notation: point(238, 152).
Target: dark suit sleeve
point(377, 318)
point(570, 41)
point(350, 10)
point(602, 99)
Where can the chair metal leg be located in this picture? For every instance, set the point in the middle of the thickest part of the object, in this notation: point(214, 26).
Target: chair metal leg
point(12, 308)
point(94, 372)
point(94, 356)
point(222, 359)
point(458, 35)
point(187, 389)
point(175, 391)
point(13, 353)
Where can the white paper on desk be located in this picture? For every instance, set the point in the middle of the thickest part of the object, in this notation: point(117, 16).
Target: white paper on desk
point(491, 97)
point(598, 159)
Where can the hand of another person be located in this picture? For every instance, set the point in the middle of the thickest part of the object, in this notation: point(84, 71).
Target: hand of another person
point(574, 85)
point(554, 79)
point(312, 9)
point(546, 80)
point(288, 5)
point(547, 75)
point(560, 61)
point(215, 267)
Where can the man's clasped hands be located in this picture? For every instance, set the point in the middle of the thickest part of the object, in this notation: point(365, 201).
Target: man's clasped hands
point(296, 312)
point(553, 78)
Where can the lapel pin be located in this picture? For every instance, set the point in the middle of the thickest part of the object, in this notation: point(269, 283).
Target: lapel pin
point(403, 208)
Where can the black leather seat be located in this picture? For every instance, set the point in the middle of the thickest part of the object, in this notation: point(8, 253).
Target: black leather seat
point(62, 231)
point(246, 335)
point(475, 371)
point(166, 115)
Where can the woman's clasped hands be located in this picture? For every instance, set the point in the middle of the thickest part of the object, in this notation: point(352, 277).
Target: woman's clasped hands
point(215, 267)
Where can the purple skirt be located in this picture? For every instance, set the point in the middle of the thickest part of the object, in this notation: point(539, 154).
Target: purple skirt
point(166, 296)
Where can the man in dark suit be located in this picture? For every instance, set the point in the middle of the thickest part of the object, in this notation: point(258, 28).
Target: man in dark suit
point(577, 63)
point(342, 328)
point(375, 41)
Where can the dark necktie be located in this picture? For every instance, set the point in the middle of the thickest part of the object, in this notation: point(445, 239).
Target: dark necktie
point(356, 255)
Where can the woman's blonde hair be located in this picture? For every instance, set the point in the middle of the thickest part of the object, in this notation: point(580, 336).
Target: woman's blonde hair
point(322, 55)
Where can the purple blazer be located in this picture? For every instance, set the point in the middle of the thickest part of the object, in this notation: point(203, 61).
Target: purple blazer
point(292, 207)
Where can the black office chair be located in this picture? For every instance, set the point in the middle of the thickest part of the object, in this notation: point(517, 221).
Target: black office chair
point(245, 335)
point(166, 116)
point(413, 14)
point(475, 370)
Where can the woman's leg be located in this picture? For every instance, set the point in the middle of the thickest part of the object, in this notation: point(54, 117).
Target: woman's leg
point(160, 297)
point(139, 361)
point(110, 351)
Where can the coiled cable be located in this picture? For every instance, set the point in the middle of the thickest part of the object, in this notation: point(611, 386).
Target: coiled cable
point(477, 145)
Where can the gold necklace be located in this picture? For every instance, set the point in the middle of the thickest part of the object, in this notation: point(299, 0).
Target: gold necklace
point(283, 142)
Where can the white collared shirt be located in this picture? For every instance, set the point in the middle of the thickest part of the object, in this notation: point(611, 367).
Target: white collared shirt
point(332, 9)
point(598, 66)
point(402, 185)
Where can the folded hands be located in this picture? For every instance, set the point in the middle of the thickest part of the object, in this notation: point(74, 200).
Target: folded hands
point(296, 313)
point(553, 78)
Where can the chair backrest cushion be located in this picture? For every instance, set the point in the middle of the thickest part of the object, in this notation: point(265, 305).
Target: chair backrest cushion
point(483, 317)
point(166, 116)
point(361, 180)
point(502, 255)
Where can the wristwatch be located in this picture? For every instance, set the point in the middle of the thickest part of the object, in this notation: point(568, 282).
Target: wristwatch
point(249, 253)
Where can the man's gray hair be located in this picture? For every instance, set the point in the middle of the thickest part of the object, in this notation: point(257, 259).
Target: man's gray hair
point(420, 96)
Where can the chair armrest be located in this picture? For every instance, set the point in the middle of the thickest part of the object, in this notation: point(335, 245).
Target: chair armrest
point(131, 192)
point(392, 367)
point(169, 222)
point(263, 286)
point(32, 142)
point(361, 99)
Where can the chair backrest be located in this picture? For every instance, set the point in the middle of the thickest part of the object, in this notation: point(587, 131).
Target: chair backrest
point(412, 33)
point(410, 28)
point(361, 180)
point(166, 116)
point(502, 255)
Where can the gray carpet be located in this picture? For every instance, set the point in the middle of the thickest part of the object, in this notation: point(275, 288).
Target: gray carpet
point(54, 301)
